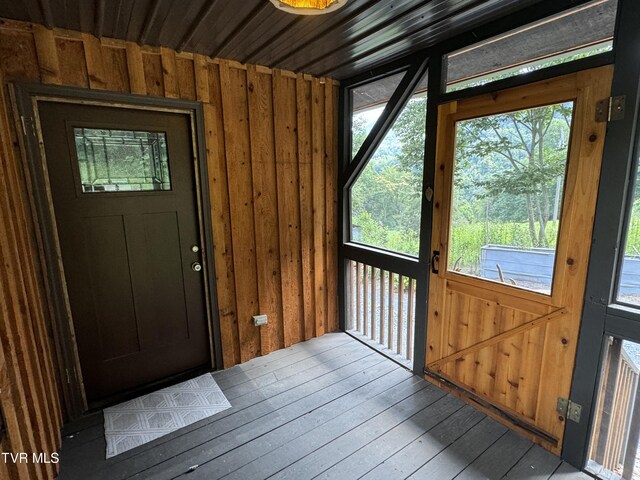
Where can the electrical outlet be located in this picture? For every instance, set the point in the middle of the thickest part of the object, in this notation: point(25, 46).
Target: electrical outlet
point(259, 320)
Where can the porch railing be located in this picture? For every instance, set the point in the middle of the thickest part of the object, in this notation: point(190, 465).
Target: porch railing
point(614, 445)
point(381, 310)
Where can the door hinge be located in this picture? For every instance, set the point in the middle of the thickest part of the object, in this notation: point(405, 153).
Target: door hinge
point(568, 409)
point(610, 109)
point(24, 128)
point(68, 376)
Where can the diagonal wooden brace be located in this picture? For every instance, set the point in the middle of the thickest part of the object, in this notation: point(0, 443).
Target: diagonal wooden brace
point(498, 338)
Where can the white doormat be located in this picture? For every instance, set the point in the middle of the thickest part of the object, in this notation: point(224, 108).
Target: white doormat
point(148, 417)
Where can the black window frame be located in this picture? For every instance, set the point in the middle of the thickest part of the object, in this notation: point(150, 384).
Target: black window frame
point(416, 66)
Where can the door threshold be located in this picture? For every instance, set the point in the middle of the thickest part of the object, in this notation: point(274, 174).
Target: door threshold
point(116, 398)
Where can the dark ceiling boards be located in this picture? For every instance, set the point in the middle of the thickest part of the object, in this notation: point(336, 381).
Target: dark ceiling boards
point(361, 35)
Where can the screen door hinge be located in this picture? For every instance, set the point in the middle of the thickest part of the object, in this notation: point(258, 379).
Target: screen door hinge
point(610, 109)
point(568, 409)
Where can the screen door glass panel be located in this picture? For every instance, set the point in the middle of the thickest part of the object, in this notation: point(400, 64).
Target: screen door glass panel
point(614, 442)
point(121, 160)
point(507, 195)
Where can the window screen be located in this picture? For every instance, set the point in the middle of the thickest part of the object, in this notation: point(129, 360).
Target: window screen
point(577, 33)
point(508, 186)
point(386, 197)
point(368, 102)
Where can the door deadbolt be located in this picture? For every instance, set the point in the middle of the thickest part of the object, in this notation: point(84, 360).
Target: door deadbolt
point(196, 267)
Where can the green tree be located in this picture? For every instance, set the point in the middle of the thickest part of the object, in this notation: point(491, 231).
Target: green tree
point(386, 197)
point(528, 152)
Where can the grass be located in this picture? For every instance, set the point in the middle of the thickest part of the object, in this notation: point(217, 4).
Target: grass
point(467, 239)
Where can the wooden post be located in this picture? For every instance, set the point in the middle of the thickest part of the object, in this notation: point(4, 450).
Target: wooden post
point(358, 297)
point(365, 301)
point(410, 319)
point(400, 314)
point(634, 436)
point(374, 285)
point(382, 310)
point(390, 326)
point(351, 318)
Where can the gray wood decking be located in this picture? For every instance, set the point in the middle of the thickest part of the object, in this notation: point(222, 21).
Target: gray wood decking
point(327, 408)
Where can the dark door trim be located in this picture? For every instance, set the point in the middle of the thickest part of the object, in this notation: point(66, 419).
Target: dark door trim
point(26, 97)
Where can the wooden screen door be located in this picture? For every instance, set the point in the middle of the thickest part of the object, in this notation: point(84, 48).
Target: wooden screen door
point(124, 196)
point(516, 183)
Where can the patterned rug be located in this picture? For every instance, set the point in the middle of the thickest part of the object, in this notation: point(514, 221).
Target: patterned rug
point(148, 417)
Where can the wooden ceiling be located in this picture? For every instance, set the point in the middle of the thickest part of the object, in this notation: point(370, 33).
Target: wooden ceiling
point(361, 35)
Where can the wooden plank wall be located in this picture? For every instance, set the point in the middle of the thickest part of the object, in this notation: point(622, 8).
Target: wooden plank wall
point(28, 391)
point(272, 159)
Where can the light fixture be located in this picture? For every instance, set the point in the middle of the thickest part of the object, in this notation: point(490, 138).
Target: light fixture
point(308, 7)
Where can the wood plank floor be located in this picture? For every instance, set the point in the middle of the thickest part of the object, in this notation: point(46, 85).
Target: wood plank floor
point(327, 408)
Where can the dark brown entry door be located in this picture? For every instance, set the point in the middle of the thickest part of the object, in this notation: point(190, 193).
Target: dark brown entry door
point(124, 196)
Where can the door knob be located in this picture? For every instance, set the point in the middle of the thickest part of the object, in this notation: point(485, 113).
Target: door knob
point(196, 267)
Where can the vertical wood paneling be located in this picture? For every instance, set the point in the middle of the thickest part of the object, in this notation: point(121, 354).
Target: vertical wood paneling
point(284, 105)
point(12, 396)
point(135, 67)
point(73, 69)
point(169, 73)
point(186, 78)
point(271, 153)
point(331, 202)
point(95, 62)
point(47, 55)
point(263, 165)
point(115, 62)
point(201, 71)
point(237, 144)
point(18, 57)
point(33, 411)
point(305, 170)
point(153, 76)
point(221, 222)
point(319, 219)
point(39, 313)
